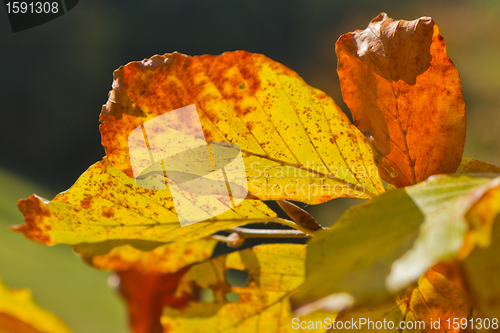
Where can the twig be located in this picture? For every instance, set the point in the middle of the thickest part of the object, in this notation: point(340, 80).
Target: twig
point(238, 235)
point(233, 240)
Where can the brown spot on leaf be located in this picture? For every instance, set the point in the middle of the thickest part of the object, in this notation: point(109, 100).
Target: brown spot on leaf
point(108, 212)
point(87, 201)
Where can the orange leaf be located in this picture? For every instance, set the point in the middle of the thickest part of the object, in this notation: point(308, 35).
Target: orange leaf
point(453, 272)
point(402, 87)
point(147, 294)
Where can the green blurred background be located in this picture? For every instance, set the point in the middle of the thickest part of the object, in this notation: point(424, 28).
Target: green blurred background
point(55, 77)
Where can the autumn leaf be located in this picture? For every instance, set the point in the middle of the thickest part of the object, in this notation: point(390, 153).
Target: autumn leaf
point(402, 87)
point(409, 254)
point(379, 248)
point(434, 299)
point(104, 204)
point(274, 273)
point(481, 269)
point(146, 257)
point(471, 165)
point(146, 294)
point(482, 216)
point(20, 314)
point(296, 142)
point(149, 273)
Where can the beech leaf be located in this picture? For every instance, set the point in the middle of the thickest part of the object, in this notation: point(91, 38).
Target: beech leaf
point(402, 87)
point(379, 248)
point(296, 142)
point(104, 204)
point(146, 294)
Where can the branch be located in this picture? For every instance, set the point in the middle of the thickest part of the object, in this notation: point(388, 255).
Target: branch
point(238, 235)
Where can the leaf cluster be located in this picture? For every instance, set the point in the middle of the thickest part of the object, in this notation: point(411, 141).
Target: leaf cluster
point(423, 248)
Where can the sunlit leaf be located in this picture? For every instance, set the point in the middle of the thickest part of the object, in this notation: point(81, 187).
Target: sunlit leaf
point(274, 272)
point(296, 143)
point(402, 87)
point(104, 204)
point(419, 309)
point(384, 245)
point(20, 314)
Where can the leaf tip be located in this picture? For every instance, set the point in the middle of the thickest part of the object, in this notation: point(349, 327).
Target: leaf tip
point(380, 17)
point(32, 209)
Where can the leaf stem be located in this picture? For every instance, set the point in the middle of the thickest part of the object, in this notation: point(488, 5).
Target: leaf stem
point(296, 226)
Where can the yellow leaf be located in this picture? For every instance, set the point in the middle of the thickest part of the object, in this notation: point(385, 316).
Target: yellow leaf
point(104, 204)
point(481, 216)
point(419, 309)
point(274, 273)
point(296, 142)
point(402, 87)
point(470, 165)
point(146, 258)
point(20, 314)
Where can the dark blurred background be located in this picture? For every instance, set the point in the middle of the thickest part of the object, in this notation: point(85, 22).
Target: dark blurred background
point(55, 77)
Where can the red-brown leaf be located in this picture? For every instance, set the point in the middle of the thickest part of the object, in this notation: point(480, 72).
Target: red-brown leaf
point(147, 294)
